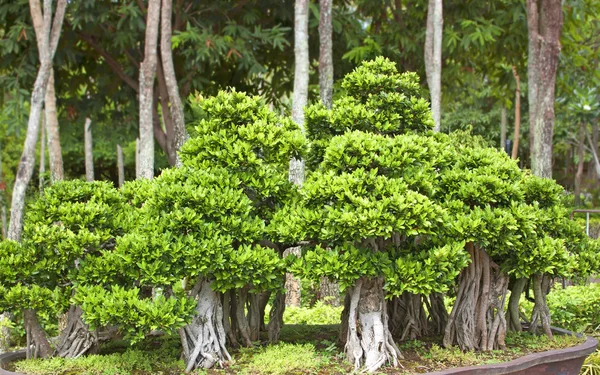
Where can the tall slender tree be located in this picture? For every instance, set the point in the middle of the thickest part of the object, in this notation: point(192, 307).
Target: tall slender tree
point(166, 53)
point(52, 135)
point(433, 57)
point(299, 100)
point(88, 150)
point(326, 53)
point(544, 22)
point(50, 116)
point(48, 42)
point(145, 168)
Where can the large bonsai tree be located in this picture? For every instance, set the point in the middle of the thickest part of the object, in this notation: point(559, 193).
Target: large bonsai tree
point(366, 209)
point(203, 225)
point(71, 223)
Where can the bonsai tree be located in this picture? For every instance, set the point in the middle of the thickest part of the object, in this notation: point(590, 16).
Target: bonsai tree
point(366, 210)
point(197, 236)
point(72, 222)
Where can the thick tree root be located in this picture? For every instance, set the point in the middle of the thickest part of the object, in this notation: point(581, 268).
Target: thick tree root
point(37, 344)
point(477, 319)
point(541, 312)
point(203, 340)
point(513, 317)
point(76, 339)
point(369, 343)
point(437, 314)
point(408, 319)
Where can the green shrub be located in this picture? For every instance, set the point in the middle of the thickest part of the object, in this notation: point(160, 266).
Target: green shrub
point(321, 313)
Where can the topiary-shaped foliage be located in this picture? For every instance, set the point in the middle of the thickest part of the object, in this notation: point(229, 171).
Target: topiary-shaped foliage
point(378, 99)
point(203, 224)
point(71, 223)
point(367, 210)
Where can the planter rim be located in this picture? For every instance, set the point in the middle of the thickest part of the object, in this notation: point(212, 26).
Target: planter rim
point(523, 363)
point(578, 351)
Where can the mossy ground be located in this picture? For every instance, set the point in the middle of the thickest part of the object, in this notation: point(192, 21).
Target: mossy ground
point(304, 349)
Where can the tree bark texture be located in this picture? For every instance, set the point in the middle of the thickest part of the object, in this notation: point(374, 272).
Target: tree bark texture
point(76, 339)
point(580, 163)
point(53, 138)
point(544, 20)
point(89, 150)
point(326, 53)
point(369, 343)
point(329, 292)
point(3, 227)
point(301, 68)
point(292, 284)
point(166, 52)
point(147, 75)
point(477, 320)
point(541, 313)
point(513, 314)
point(120, 165)
point(407, 317)
point(50, 114)
point(276, 317)
point(203, 340)
point(42, 171)
point(433, 58)
point(37, 345)
point(48, 43)
point(517, 131)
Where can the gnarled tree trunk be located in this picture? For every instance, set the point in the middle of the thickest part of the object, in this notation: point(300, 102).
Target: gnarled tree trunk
point(407, 316)
point(203, 340)
point(276, 317)
point(37, 345)
point(513, 315)
point(477, 319)
point(369, 342)
point(76, 339)
point(541, 313)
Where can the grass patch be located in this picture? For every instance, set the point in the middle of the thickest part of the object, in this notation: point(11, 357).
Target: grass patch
point(283, 358)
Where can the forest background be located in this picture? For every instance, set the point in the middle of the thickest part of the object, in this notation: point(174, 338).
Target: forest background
point(111, 76)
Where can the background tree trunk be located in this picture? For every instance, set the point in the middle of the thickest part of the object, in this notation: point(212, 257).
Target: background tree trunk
point(51, 119)
point(580, 155)
point(120, 165)
point(2, 199)
point(48, 42)
point(544, 33)
point(166, 52)
point(89, 150)
point(299, 100)
point(517, 132)
point(325, 53)
point(42, 170)
point(147, 74)
point(433, 57)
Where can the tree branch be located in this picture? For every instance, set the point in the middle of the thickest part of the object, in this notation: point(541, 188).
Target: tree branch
point(115, 66)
